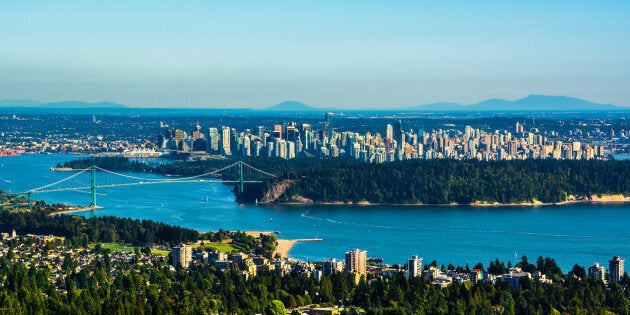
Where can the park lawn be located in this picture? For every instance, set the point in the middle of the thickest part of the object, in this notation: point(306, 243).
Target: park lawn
point(121, 247)
point(114, 247)
point(218, 246)
point(162, 252)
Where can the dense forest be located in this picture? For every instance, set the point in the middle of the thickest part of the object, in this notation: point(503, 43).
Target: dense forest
point(446, 181)
point(438, 181)
point(205, 289)
point(80, 231)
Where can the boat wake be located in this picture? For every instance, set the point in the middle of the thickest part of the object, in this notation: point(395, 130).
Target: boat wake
point(308, 215)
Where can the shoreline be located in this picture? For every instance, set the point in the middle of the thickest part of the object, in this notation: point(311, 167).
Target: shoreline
point(73, 209)
point(283, 246)
point(604, 199)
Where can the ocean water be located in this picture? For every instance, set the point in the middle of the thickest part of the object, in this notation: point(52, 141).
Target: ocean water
point(577, 233)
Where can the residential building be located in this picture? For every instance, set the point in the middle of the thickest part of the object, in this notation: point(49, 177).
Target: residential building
point(182, 255)
point(356, 261)
point(414, 267)
point(615, 269)
point(597, 272)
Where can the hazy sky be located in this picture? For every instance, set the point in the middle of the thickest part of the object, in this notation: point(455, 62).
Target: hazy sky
point(346, 54)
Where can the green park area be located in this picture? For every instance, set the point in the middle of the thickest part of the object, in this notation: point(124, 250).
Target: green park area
point(224, 246)
point(125, 248)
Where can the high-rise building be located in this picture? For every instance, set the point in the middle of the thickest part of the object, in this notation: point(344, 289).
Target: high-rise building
point(356, 261)
point(597, 272)
point(399, 135)
point(414, 267)
point(196, 133)
point(292, 133)
point(182, 255)
point(225, 141)
point(277, 131)
point(245, 148)
point(615, 269)
point(389, 132)
point(213, 140)
point(328, 127)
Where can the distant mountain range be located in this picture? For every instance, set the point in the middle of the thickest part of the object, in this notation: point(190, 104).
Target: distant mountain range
point(530, 103)
point(63, 104)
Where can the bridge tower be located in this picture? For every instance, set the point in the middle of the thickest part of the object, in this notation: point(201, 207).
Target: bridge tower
point(240, 176)
point(93, 187)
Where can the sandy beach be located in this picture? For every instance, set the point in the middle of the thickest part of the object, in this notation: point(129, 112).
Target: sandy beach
point(75, 209)
point(284, 246)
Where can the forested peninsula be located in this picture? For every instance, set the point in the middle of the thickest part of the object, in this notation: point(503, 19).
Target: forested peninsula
point(439, 181)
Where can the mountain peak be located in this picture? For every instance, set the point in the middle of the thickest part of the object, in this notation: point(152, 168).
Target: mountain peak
point(292, 106)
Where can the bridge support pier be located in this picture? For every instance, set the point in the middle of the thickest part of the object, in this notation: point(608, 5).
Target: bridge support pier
point(240, 176)
point(93, 188)
point(28, 198)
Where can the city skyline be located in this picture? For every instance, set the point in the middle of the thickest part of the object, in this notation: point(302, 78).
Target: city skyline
point(353, 55)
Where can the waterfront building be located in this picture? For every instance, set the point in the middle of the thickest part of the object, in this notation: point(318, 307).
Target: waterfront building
point(182, 255)
point(615, 269)
point(597, 272)
point(356, 261)
point(414, 267)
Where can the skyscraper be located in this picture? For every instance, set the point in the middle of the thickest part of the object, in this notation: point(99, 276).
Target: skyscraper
point(389, 132)
point(615, 269)
point(356, 261)
point(213, 140)
point(225, 141)
point(328, 127)
point(398, 130)
point(414, 266)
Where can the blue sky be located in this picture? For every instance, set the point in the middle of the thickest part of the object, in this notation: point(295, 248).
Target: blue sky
point(346, 54)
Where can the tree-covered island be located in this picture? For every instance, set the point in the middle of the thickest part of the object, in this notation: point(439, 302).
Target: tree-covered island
point(439, 181)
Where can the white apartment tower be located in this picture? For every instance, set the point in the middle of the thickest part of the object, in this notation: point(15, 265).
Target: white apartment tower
point(414, 267)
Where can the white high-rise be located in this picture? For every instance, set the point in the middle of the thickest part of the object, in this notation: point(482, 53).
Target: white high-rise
point(414, 266)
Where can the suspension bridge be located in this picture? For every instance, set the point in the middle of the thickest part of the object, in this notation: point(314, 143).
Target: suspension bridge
point(94, 177)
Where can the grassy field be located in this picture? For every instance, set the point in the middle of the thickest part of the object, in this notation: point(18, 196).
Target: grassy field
point(218, 246)
point(121, 247)
point(162, 252)
point(114, 247)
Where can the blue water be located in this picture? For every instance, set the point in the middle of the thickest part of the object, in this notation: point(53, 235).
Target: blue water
point(571, 234)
